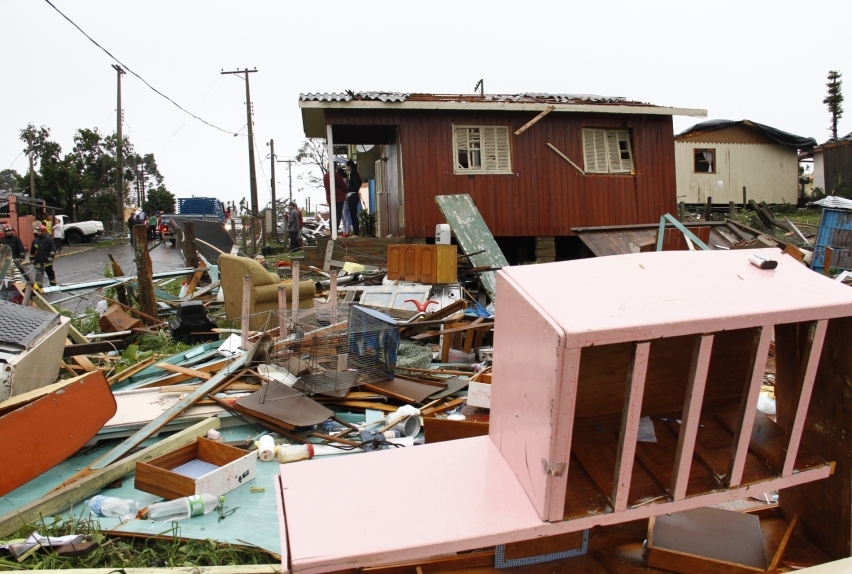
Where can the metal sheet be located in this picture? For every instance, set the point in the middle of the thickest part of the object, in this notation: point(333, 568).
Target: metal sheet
point(835, 232)
point(473, 236)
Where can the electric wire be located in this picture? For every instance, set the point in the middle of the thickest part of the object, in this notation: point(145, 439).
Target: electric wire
point(155, 90)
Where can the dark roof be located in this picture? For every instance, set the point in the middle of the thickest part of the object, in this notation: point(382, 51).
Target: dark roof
point(778, 136)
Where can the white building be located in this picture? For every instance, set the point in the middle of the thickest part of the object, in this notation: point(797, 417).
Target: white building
point(718, 158)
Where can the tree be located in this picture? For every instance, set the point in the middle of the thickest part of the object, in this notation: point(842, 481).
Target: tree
point(834, 100)
point(313, 153)
point(10, 182)
point(159, 199)
point(146, 174)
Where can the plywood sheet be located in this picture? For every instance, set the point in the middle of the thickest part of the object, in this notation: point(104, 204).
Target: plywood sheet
point(473, 236)
point(401, 389)
point(284, 404)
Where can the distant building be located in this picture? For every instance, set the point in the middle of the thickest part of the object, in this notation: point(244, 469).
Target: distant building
point(716, 159)
point(585, 161)
point(833, 163)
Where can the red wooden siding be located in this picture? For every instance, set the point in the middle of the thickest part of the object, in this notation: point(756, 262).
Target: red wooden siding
point(544, 195)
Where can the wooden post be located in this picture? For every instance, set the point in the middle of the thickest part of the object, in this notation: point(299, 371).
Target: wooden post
point(732, 209)
point(295, 267)
point(147, 300)
point(332, 296)
point(263, 238)
point(681, 210)
point(826, 264)
point(117, 271)
point(244, 321)
point(332, 195)
point(282, 311)
point(630, 425)
point(708, 209)
point(233, 231)
point(190, 254)
point(745, 199)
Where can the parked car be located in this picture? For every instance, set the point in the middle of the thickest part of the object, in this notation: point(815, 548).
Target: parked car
point(80, 231)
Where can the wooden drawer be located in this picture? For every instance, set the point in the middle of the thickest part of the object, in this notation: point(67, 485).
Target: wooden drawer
point(423, 263)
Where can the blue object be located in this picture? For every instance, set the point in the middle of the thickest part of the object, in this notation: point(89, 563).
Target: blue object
point(477, 310)
point(501, 562)
point(202, 206)
point(835, 232)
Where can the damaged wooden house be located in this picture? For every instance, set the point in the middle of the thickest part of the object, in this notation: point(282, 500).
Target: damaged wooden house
point(536, 165)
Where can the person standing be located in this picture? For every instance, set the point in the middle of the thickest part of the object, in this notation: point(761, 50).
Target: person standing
point(14, 242)
point(152, 227)
point(293, 221)
point(58, 232)
point(41, 253)
point(353, 197)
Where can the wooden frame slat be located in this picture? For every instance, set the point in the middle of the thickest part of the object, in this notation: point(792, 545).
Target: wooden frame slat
point(795, 433)
point(631, 414)
point(691, 413)
point(748, 407)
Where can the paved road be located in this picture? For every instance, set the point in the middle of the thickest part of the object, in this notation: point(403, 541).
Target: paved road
point(81, 264)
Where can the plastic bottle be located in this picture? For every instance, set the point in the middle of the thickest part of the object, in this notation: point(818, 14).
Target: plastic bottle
point(111, 506)
point(294, 452)
point(185, 507)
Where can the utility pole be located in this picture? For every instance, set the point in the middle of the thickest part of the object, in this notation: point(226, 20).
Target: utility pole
point(119, 179)
point(274, 203)
point(252, 175)
point(32, 168)
point(290, 176)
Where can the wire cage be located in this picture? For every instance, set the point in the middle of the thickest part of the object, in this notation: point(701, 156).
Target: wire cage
point(359, 347)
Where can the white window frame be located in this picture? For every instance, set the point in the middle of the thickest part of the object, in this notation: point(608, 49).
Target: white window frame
point(607, 151)
point(492, 145)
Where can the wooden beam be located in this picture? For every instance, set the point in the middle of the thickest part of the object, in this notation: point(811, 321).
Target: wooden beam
point(748, 407)
point(530, 123)
point(65, 496)
point(246, 310)
point(631, 414)
point(779, 553)
point(192, 373)
point(691, 413)
point(816, 337)
point(130, 371)
point(190, 253)
point(134, 440)
point(565, 157)
point(144, 279)
point(91, 348)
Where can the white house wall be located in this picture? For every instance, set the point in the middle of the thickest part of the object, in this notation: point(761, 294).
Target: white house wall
point(769, 173)
point(819, 171)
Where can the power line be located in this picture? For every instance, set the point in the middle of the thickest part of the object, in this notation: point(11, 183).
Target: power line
point(155, 90)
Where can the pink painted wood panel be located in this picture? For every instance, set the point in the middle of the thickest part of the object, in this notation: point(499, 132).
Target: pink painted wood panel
point(742, 433)
point(644, 296)
point(630, 426)
point(525, 409)
point(795, 432)
point(691, 415)
point(489, 506)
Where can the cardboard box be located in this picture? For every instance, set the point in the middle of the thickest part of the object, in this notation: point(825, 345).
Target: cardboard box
point(479, 394)
point(203, 466)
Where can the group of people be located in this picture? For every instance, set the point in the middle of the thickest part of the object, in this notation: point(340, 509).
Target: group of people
point(346, 197)
point(47, 242)
point(153, 222)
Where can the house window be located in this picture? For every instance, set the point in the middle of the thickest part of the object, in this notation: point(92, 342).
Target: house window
point(481, 149)
point(607, 151)
point(705, 160)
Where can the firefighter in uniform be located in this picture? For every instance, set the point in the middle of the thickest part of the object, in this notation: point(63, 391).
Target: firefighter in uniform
point(41, 254)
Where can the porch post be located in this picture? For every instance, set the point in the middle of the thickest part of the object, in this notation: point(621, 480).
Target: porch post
point(332, 194)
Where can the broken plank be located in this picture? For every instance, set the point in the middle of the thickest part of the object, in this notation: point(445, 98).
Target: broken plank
point(533, 121)
point(158, 423)
point(566, 158)
point(130, 371)
point(443, 408)
point(91, 348)
point(69, 494)
point(195, 373)
point(84, 362)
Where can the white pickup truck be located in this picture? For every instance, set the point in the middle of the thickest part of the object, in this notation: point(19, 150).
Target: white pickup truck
point(80, 231)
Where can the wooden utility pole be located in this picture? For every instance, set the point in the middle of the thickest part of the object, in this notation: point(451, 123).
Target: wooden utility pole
point(119, 164)
point(252, 174)
point(144, 274)
point(274, 203)
point(32, 164)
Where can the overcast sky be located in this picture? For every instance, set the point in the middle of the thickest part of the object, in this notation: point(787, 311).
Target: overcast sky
point(765, 61)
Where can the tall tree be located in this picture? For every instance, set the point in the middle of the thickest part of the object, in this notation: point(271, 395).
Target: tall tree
point(834, 100)
point(159, 199)
point(10, 182)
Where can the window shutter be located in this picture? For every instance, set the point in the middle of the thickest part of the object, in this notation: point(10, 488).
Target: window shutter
point(627, 152)
point(618, 151)
point(460, 145)
point(486, 148)
point(503, 149)
point(489, 149)
point(594, 150)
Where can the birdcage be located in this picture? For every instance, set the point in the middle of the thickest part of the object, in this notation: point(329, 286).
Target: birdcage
point(333, 358)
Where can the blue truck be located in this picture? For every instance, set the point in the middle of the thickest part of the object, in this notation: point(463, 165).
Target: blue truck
point(201, 207)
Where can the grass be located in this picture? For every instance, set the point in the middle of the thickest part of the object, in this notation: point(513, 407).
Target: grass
point(168, 550)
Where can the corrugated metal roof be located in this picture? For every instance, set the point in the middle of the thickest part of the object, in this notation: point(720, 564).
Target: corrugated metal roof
point(528, 97)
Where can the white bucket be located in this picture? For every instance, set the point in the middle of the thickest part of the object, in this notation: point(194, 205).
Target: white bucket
point(266, 448)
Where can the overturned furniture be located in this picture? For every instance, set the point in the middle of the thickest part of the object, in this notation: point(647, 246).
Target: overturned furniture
point(678, 338)
point(31, 343)
point(263, 296)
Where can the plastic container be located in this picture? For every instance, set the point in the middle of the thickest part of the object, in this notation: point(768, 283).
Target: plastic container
point(111, 506)
point(294, 452)
point(266, 448)
point(185, 507)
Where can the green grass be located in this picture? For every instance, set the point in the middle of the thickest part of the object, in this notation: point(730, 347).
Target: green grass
point(168, 550)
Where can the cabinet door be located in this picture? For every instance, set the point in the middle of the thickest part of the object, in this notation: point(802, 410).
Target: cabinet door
point(411, 263)
point(428, 264)
point(394, 262)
